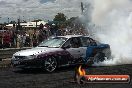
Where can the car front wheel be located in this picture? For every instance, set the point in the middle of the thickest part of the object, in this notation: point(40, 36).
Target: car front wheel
point(50, 64)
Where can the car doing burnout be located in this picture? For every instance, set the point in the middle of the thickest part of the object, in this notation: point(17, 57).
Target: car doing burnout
point(61, 51)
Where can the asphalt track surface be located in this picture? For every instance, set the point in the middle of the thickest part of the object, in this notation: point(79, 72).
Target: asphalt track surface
point(62, 78)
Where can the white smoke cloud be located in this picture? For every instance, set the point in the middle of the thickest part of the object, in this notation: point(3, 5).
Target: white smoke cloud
point(104, 7)
point(113, 25)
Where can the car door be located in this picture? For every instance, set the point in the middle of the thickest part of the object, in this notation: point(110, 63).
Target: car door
point(73, 45)
point(88, 45)
point(85, 44)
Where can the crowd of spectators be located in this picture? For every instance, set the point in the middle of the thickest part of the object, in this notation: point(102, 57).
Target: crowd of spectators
point(14, 38)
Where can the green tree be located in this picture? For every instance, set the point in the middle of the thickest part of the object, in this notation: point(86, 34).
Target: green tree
point(60, 17)
point(13, 22)
point(71, 21)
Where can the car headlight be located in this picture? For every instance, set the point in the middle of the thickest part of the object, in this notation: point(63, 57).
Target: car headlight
point(31, 57)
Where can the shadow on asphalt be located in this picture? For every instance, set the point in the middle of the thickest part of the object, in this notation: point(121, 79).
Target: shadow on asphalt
point(41, 71)
point(89, 69)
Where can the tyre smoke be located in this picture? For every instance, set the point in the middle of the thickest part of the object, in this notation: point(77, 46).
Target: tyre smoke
point(110, 22)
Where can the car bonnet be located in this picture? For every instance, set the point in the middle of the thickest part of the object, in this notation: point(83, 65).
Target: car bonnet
point(36, 51)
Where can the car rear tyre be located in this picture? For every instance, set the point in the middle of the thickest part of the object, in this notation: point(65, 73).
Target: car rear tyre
point(99, 57)
point(107, 53)
point(50, 64)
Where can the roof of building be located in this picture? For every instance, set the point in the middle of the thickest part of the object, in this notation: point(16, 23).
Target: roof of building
point(29, 24)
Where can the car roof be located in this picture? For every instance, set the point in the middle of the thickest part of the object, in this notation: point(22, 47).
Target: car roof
point(70, 36)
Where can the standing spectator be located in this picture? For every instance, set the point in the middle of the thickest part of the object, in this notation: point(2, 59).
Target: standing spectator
point(20, 40)
point(48, 32)
point(6, 39)
point(24, 39)
point(47, 29)
point(34, 39)
point(59, 32)
point(54, 29)
point(13, 36)
point(27, 41)
point(42, 33)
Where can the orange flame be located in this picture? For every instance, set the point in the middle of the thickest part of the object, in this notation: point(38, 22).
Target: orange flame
point(81, 71)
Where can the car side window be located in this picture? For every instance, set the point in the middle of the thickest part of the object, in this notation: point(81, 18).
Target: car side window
point(86, 41)
point(67, 44)
point(73, 43)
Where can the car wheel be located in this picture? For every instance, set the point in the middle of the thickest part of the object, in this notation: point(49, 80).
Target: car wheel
point(50, 64)
point(99, 57)
point(107, 53)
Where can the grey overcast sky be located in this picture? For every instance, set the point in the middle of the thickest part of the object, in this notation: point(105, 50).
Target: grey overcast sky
point(34, 9)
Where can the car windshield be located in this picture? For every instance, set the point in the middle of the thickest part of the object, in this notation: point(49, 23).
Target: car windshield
point(53, 42)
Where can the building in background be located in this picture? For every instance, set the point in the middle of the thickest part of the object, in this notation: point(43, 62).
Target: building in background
point(28, 24)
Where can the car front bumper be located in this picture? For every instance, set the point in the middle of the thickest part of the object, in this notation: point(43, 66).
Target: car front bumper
point(27, 63)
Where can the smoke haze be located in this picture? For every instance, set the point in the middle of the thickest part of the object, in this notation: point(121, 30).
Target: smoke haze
point(110, 22)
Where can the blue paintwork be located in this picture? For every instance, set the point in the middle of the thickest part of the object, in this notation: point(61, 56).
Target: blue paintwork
point(90, 50)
